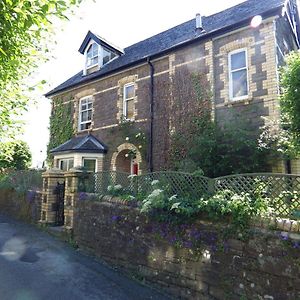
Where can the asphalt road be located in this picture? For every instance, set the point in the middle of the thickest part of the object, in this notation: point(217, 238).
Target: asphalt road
point(36, 266)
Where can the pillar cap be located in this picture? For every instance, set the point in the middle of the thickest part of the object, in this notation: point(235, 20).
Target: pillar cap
point(54, 171)
point(76, 172)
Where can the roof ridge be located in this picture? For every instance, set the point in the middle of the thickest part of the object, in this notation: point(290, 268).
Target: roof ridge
point(235, 16)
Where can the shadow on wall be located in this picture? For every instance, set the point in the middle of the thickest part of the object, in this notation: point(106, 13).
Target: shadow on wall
point(191, 261)
point(25, 206)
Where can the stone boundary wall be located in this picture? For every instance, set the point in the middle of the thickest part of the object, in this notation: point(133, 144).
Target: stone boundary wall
point(266, 265)
point(24, 206)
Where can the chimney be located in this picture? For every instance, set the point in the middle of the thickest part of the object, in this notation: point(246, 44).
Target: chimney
point(199, 27)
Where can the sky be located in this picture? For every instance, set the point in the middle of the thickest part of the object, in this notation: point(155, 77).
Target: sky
point(123, 23)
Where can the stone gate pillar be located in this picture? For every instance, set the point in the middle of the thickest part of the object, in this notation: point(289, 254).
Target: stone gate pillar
point(74, 180)
point(49, 198)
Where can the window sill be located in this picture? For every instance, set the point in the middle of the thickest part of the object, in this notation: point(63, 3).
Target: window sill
point(244, 101)
point(84, 130)
point(123, 120)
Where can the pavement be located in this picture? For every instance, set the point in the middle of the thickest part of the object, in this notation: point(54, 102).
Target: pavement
point(36, 266)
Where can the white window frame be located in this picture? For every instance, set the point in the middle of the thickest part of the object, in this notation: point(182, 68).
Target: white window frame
point(99, 52)
point(127, 99)
point(67, 159)
point(100, 56)
point(90, 158)
point(80, 122)
point(231, 97)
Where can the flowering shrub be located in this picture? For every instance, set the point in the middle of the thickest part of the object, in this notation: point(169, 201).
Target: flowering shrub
point(115, 190)
point(240, 208)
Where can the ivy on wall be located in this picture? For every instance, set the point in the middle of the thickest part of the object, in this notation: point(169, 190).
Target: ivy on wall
point(200, 144)
point(129, 132)
point(61, 125)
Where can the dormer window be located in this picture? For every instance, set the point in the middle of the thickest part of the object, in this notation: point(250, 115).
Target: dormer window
point(97, 56)
point(92, 55)
point(98, 52)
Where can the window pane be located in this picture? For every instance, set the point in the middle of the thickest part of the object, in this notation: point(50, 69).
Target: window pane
point(89, 62)
point(129, 109)
point(90, 114)
point(84, 116)
point(71, 163)
point(238, 60)
point(90, 164)
point(94, 61)
point(106, 56)
point(63, 165)
point(129, 91)
point(239, 83)
point(106, 59)
point(95, 49)
point(90, 51)
point(85, 126)
point(83, 106)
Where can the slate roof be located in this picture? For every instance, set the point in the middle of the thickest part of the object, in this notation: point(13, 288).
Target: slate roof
point(101, 41)
point(86, 144)
point(224, 21)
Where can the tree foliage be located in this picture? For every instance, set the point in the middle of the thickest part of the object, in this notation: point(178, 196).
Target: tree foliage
point(14, 155)
point(290, 99)
point(25, 30)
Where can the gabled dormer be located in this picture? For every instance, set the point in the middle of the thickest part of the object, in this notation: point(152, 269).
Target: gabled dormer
point(97, 52)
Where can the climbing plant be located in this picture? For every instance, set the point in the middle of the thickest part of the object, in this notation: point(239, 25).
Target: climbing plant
point(61, 124)
point(129, 132)
point(199, 143)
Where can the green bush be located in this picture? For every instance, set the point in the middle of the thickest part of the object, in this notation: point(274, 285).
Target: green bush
point(236, 208)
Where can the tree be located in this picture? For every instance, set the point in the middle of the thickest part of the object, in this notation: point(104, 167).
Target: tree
point(15, 155)
point(25, 29)
point(290, 102)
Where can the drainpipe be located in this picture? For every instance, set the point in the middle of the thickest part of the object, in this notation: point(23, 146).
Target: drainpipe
point(151, 114)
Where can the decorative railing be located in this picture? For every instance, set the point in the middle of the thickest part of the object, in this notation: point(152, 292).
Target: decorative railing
point(281, 190)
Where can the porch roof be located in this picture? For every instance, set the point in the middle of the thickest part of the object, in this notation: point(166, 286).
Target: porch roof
point(87, 144)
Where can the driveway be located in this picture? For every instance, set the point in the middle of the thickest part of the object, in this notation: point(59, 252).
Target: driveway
point(34, 266)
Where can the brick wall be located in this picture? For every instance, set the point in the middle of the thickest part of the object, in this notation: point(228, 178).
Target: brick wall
point(208, 57)
point(262, 101)
point(266, 266)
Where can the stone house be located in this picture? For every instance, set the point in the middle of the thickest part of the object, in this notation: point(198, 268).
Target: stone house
point(238, 50)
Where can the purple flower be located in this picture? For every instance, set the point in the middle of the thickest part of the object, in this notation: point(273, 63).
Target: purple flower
point(82, 196)
point(284, 237)
point(115, 218)
point(296, 245)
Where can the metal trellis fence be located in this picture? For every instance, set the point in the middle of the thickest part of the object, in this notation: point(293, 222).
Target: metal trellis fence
point(282, 191)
